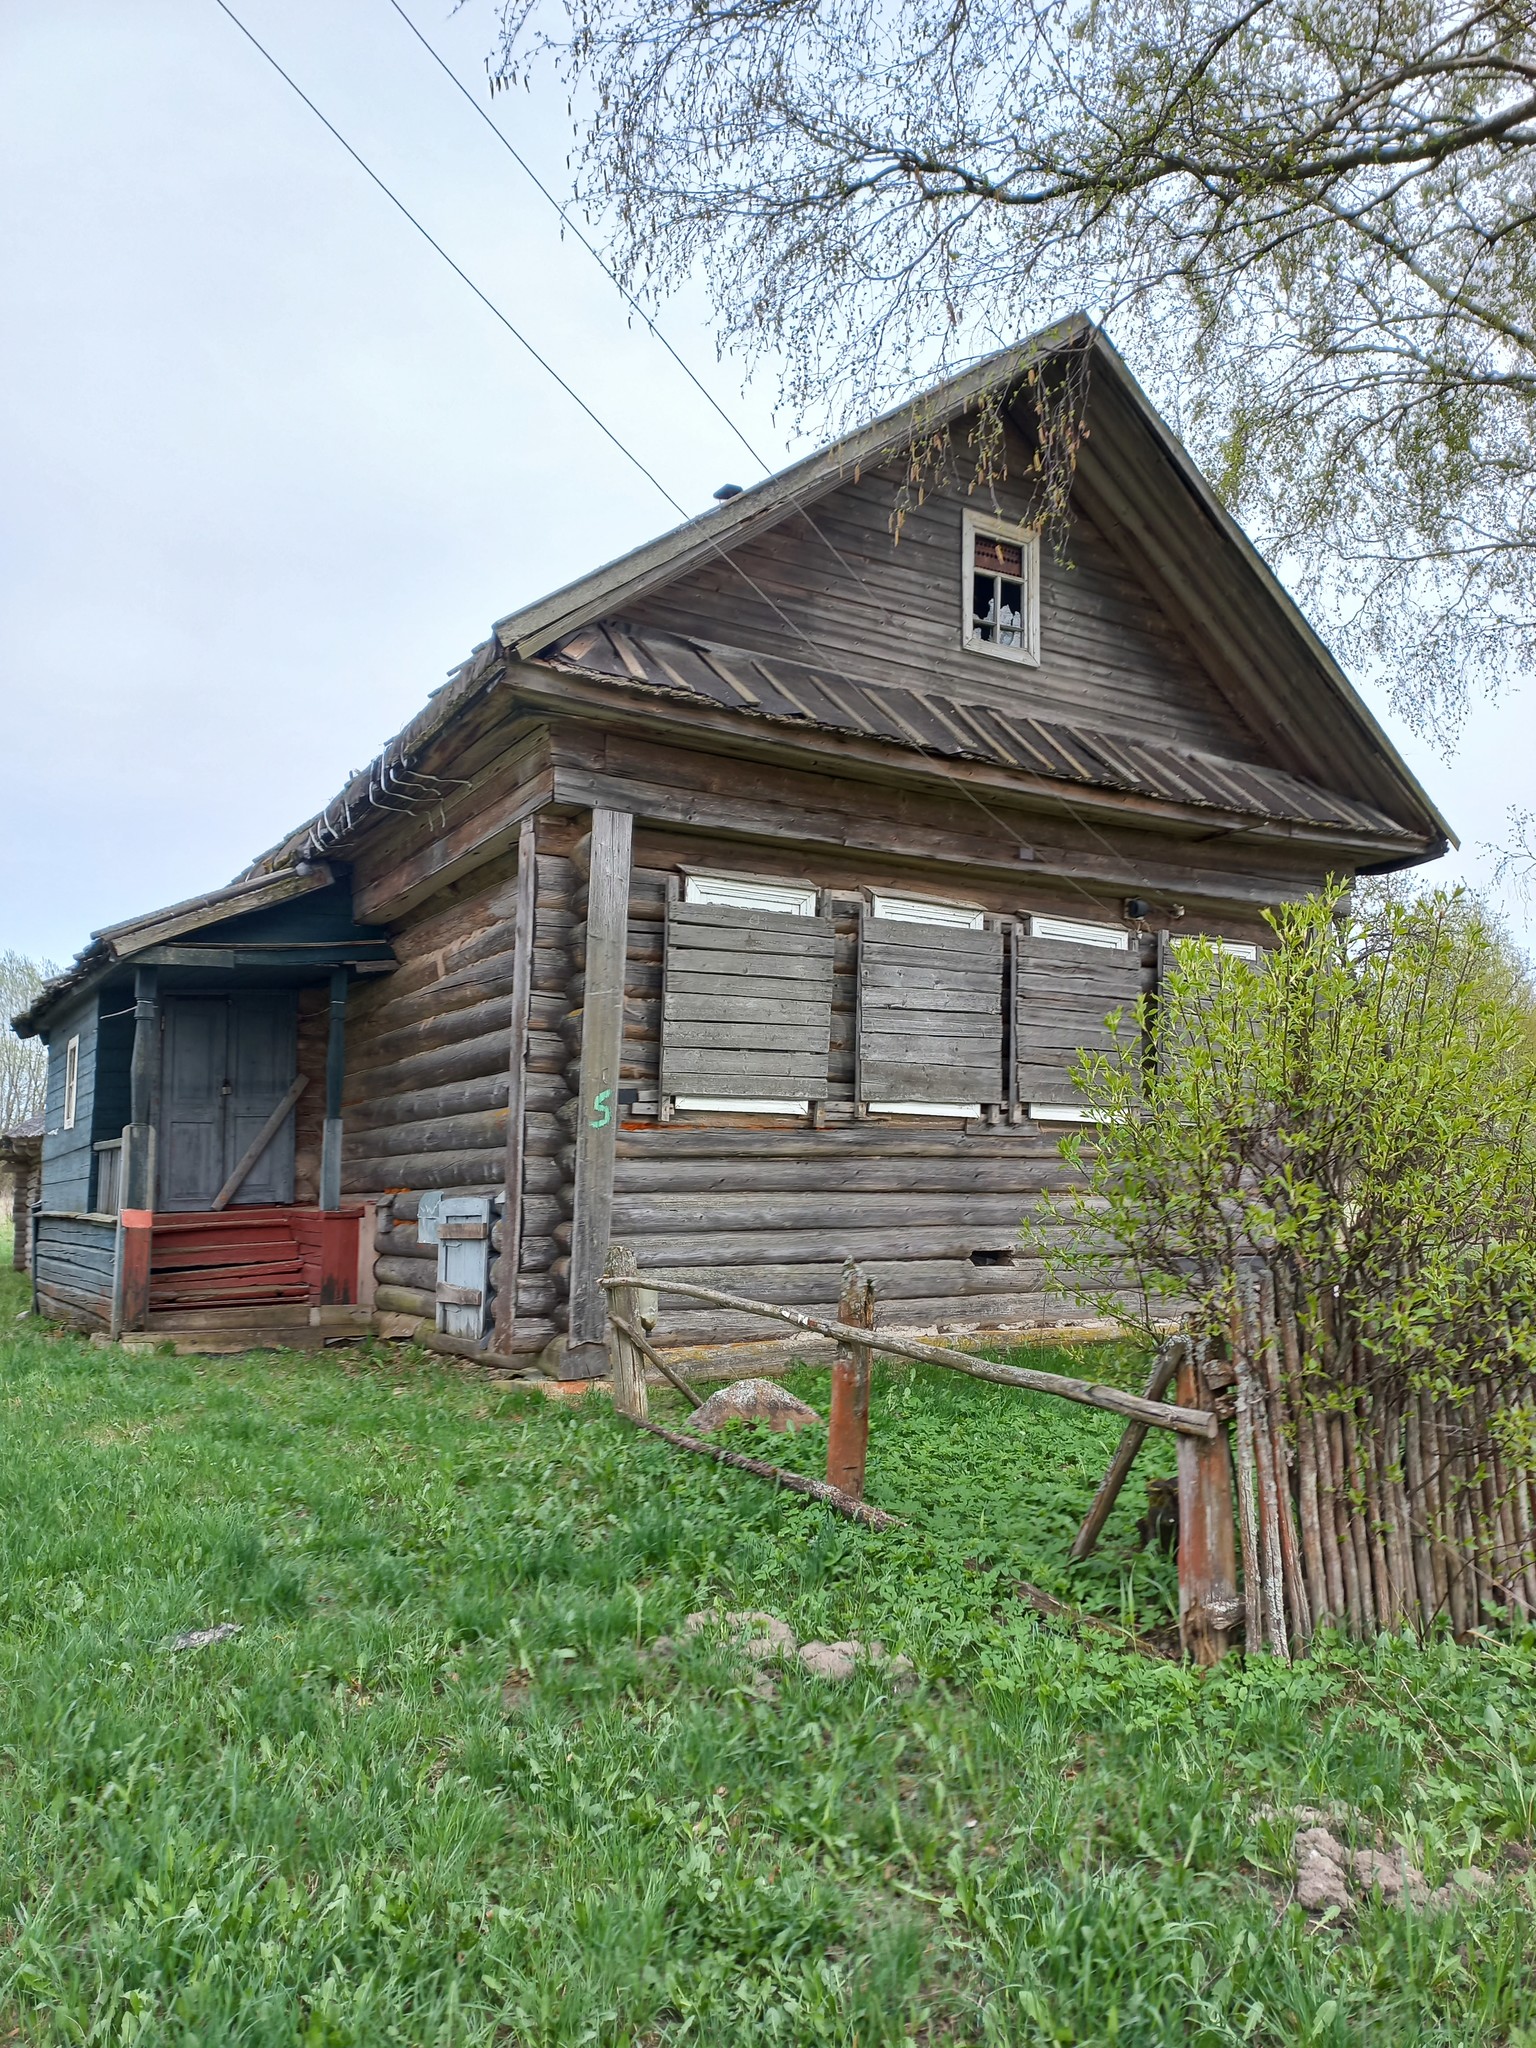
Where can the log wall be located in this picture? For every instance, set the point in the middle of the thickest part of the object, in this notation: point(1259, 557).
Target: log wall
point(771, 1206)
point(428, 1051)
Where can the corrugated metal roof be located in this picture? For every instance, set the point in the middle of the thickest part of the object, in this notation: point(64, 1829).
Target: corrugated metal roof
point(934, 723)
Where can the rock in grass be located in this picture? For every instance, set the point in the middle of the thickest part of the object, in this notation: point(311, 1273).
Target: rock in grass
point(200, 1638)
point(753, 1401)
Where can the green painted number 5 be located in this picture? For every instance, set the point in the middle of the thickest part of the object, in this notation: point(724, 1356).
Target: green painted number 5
point(602, 1104)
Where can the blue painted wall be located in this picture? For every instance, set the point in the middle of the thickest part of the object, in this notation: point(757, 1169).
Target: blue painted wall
point(67, 1155)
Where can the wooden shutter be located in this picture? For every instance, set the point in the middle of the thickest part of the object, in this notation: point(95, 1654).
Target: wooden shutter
point(747, 1009)
point(930, 1012)
point(1063, 993)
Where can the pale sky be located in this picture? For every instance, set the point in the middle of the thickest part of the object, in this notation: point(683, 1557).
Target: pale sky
point(271, 469)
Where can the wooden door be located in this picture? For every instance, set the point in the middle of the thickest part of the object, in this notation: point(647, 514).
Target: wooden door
point(226, 1064)
point(262, 1043)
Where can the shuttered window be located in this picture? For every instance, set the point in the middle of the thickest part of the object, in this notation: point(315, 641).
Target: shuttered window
point(1168, 947)
point(747, 997)
point(1069, 975)
point(930, 1008)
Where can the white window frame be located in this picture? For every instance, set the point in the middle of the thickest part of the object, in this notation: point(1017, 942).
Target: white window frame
point(1078, 932)
point(71, 1081)
point(1240, 949)
point(744, 892)
point(920, 910)
point(1027, 540)
point(741, 892)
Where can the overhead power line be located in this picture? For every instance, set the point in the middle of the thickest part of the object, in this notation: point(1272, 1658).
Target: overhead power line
point(596, 254)
point(691, 519)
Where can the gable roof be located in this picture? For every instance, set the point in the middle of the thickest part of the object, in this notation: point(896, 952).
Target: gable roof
point(1328, 760)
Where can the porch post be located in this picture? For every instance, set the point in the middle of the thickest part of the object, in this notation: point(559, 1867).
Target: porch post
point(335, 1074)
point(136, 1215)
point(597, 1108)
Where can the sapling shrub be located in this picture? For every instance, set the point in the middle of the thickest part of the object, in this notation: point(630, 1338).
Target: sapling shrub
point(1340, 1134)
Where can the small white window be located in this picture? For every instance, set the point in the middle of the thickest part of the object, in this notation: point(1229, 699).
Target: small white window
point(740, 892)
point(71, 1080)
point(1078, 933)
point(1000, 601)
point(1061, 1113)
point(1240, 949)
point(917, 910)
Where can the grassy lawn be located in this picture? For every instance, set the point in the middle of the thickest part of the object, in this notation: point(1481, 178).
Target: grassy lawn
point(440, 1789)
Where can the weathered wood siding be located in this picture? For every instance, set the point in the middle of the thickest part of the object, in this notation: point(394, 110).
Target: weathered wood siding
point(883, 609)
point(68, 1158)
point(771, 1206)
point(425, 1103)
point(73, 1266)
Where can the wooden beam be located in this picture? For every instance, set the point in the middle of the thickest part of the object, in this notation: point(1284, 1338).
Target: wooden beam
point(1163, 1371)
point(517, 1081)
point(260, 1142)
point(1188, 1421)
point(1210, 1608)
point(597, 1109)
point(335, 1076)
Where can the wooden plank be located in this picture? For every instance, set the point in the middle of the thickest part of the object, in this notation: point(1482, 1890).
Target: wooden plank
point(682, 1062)
point(515, 1169)
point(750, 1037)
point(696, 963)
point(602, 1047)
point(682, 1006)
point(877, 973)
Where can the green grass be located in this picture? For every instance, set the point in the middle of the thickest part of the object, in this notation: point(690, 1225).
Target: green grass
point(437, 1791)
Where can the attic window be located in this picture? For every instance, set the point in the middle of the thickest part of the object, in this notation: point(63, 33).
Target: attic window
point(1000, 601)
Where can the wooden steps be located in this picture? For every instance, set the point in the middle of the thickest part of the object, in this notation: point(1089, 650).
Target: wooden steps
point(236, 1259)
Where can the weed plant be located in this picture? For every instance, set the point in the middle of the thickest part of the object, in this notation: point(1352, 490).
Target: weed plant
point(441, 1789)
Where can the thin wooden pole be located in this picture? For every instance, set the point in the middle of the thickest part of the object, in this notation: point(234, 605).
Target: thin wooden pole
point(1247, 1483)
point(335, 1079)
point(647, 1350)
point(792, 1482)
point(627, 1369)
point(597, 1111)
point(1164, 1371)
point(1209, 1606)
point(848, 1414)
point(1187, 1421)
point(517, 1082)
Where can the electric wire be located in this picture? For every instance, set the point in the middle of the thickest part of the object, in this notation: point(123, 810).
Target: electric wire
point(636, 305)
point(689, 519)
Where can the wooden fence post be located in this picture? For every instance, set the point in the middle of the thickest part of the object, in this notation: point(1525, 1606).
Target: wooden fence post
point(597, 1117)
point(848, 1419)
point(626, 1364)
point(1209, 1604)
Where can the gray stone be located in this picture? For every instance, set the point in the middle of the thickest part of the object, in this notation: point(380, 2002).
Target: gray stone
point(200, 1638)
point(753, 1401)
point(1321, 1867)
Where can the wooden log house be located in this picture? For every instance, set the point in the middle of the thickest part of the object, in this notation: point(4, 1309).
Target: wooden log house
point(746, 901)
